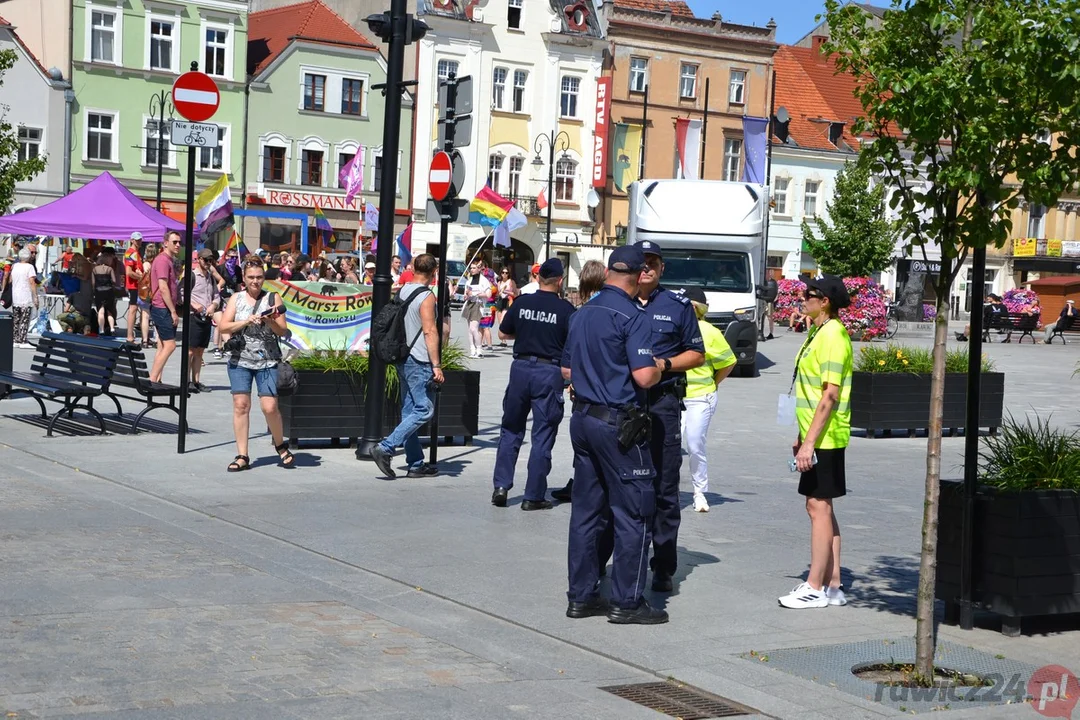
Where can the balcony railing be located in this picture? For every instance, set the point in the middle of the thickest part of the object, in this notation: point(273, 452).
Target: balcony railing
point(527, 205)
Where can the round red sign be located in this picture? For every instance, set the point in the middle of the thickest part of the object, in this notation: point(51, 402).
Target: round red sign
point(442, 170)
point(195, 96)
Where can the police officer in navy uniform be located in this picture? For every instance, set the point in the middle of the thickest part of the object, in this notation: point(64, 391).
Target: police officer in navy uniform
point(677, 347)
point(609, 362)
point(538, 324)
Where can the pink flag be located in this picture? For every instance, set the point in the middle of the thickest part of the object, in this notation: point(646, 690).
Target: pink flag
point(352, 175)
point(541, 200)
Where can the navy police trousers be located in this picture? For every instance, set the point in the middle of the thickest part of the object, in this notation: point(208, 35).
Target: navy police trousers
point(537, 387)
point(665, 445)
point(609, 486)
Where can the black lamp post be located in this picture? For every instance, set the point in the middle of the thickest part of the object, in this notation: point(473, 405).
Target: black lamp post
point(562, 140)
point(159, 103)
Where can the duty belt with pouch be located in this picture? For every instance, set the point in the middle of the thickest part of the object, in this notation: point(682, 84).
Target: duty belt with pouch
point(676, 386)
point(632, 423)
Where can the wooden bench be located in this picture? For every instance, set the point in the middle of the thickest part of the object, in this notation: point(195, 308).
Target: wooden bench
point(1074, 329)
point(67, 370)
point(132, 371)
point(1019, 322)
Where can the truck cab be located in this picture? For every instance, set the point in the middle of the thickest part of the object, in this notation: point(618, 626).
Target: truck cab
point(711, 234)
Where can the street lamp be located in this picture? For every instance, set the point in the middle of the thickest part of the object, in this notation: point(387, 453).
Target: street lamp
point(562, 140)
point(159, 103)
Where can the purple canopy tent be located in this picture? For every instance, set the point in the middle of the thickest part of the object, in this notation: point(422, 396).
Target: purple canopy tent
point(103, 209)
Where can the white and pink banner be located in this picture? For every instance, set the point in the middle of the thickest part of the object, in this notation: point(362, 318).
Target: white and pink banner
point(688, 145)
point(352, 176)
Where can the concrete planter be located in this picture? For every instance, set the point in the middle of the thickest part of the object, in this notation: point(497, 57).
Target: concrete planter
point(330, 406)
point(1026, 550)
point(901, 401)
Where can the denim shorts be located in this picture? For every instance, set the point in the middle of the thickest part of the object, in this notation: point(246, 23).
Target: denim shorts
point(240, 380)
point(162, 319)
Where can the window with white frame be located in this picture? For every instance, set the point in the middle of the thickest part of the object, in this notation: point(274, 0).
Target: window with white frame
point(103, 36)
point(214, 159)
point(352, 96)
point(446, 68)
point(311, 167)
point(688, 81)
point(513, 14)
point(101, 136)
point(1037, 221)
point(275, 160)
point(216, 51)
point(737, 87)
point(521, 77)
point(565, 174)
point(343, 159)
point(568, 102)
point(498, 87)
point(29, 143)
point(314, 92)
point(162, 44)
point(732, 156)
point(639, 74)
point(780, 188)
point(517, 164)
point(810, 198)
point(494, 176)
point(155, 141)
point(376, 172)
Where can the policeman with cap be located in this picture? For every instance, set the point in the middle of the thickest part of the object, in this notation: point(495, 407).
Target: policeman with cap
point(538, 324)
point(609, 360)
point(677, 347)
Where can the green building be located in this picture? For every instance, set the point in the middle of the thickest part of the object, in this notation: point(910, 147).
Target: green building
point(311, 108)
point(124, 54)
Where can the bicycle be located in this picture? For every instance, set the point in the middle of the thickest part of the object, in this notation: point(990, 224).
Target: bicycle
point(192, 139)
point(892, 321)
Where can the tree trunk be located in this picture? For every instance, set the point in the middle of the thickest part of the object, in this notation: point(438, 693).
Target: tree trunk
point(924, 613)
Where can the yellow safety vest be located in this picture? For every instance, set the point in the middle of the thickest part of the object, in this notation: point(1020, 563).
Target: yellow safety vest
point(718, 355)
point(825, 357)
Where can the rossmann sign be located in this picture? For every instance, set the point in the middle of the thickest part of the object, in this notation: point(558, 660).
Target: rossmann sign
point(600, 137)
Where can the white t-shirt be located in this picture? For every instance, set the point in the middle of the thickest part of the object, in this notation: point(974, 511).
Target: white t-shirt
point(478, 286)
point(529, 289)
point(23, 285)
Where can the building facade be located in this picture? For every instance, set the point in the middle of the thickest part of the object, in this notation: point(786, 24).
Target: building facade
point(42, 26)
point(311, 109)
point(35, 107)
point(124, 52)
point(534, 68)
point(663, 56)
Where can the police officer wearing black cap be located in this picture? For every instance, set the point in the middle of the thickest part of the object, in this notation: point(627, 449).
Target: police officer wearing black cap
point(538, 324)
point(609, 360)
point(677, 347)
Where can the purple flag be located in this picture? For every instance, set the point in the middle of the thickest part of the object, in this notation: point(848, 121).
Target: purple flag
point(352, 176)
point(755, 140)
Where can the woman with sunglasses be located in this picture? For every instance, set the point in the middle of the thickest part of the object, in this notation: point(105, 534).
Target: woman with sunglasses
point(507, 293)
point(255, 319)
point(822, 386)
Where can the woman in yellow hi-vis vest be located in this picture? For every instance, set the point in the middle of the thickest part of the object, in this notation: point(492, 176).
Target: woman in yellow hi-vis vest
point(822, 385)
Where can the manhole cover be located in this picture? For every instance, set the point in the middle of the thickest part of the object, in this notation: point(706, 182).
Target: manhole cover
point(677, 700)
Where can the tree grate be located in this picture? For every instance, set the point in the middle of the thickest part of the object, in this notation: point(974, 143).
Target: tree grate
point(678, 700)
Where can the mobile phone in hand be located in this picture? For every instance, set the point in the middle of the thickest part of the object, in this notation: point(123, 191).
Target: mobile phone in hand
point(268, 312)
point(795, 468)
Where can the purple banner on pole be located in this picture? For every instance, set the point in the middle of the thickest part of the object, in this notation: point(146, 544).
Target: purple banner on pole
point(755, 140)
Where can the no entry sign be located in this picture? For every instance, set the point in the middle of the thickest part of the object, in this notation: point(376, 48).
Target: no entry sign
point(440, 176)
point(195, 96)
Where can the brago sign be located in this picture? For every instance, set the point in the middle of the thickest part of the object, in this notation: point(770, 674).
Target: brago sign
point(193, 134)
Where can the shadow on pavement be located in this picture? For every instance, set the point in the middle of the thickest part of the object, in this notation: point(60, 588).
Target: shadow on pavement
point(84, 425)
point(688, 561)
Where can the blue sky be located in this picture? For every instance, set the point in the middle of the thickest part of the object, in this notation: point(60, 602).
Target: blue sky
point(794, 18)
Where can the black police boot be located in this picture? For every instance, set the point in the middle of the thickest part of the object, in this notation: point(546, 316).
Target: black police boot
point(590, 608)
point(661, 582)
point(643, 614)
point(536, 505)
point(498, 498)
point(563, 494)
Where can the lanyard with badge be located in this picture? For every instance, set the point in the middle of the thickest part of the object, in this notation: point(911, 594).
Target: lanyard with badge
point(785, 406)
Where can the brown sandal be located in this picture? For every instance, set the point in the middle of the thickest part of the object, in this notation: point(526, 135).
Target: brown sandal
point(235, 465)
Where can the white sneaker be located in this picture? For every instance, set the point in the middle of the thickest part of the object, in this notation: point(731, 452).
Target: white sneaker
point(804, 596)
point(700, 504)
point(836, 595)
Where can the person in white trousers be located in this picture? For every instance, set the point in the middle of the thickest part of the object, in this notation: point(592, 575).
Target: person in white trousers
point(701, 384)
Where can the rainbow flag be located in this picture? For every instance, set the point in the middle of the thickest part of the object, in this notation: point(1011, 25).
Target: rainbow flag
point(489, 208)
point(237, 244)
point(404, 245)
point(322, 225)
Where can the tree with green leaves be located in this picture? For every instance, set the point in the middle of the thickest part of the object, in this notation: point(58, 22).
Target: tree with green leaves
point(858, 238)
point(958, 96)
point(12, 169)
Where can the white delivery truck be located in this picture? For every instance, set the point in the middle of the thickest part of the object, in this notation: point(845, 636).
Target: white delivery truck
point(710, 232)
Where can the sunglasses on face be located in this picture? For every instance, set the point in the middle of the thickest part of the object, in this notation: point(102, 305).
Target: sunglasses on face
point(813, 295)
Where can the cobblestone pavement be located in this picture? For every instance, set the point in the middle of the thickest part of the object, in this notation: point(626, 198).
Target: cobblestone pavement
point(142, 584)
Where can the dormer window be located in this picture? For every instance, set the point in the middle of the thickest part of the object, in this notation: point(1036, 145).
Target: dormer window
point(577, 15)
point(836, 132)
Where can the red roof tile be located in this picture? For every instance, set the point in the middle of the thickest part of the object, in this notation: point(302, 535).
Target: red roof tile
point(808, 87)
point(271, 31)
point(677, 7)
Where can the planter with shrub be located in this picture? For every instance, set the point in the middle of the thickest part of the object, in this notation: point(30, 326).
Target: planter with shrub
point(890, 390)
point(1027, 527)
point(330, 400)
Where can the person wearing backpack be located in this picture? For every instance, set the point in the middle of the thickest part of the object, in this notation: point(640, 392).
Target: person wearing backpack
point(406, 332)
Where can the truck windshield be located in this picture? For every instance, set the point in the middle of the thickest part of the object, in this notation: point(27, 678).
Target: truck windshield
point(714, 270)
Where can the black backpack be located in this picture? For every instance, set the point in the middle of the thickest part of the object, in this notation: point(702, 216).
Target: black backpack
point(388, 341)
